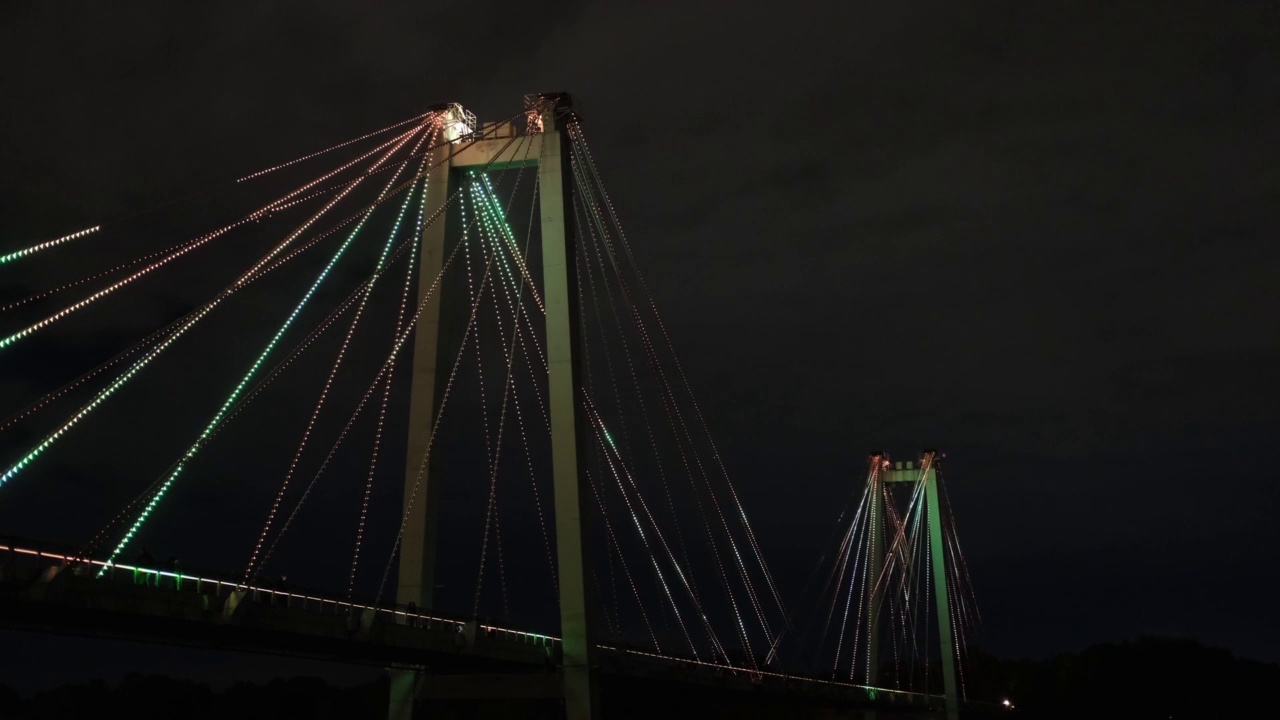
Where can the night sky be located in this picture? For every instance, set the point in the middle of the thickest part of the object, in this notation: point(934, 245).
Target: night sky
point(1039, 236)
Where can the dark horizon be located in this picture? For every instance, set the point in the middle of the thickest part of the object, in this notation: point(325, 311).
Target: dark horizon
point(1041, 239)
point(1147, 678)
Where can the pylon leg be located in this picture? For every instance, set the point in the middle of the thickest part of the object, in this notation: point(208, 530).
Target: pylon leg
point(404, 685)
point(941, 601)
point(567, 422)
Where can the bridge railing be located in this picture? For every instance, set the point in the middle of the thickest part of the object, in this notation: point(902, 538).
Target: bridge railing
point(26, 561)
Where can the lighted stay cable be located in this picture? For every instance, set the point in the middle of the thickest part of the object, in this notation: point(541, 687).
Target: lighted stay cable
point(635, 382)
point(677, 564)
point(866, 595)
point(189, 321)
point(403, 333)
point(578, 138)
point(396, 347)
point(594, 213)
point(495, 211)
point(33, 249)
point(53, 395)
point(422, 466)
point(331, 148)
point(299, 349)
point(195, 316)
point(156, 335)
point(494, 219)
point(475, 298)
point(272, 376)
point(143, 258)
point(839, 564)
point(821, 563)
point(963, 564)
point(584, 258)
point(336, 187)
point(218, 417)
point(386, 391)
point(498, 213)
point(170, 257)
point(715, 550)
point(697, 599)
point(477, 194)
point(618, 471)
point(617, 550)
point(895, 566)
point(860, 537)
point(342, 349)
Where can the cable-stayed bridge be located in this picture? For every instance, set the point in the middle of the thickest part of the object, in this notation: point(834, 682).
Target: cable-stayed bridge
point(562, 528)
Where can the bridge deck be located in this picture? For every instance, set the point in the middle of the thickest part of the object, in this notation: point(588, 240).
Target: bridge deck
point(48, 591)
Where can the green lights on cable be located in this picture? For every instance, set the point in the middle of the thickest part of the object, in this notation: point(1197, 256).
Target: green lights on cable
point(226, 405)
point(10, 257)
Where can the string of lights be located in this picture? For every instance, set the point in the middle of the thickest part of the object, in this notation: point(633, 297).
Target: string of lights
point(422, 466)
point(725, 585)
point(582, 258)
point(485, 229)
point(475, 298)
point(397, 346)
point(854, 553)
point(218, 417)
point(644, 538)
point(671, 404)
point(51, 396)
point(387, 364)
point(485, 208)
point(578, 211)
point(239, 407)
point(174, 255)
point(346, 341)
point(189, 321)
point(622, 560)
point(386, 392)
point(619, 471)
point(33, 249)
point(578, 140)
point(489, 209)
point(331, 148)
point(143, 258)
point(445, 395)
point(635, 381)
point(158, 334)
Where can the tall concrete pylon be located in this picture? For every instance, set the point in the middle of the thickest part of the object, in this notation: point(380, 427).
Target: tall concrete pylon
point(548, 150)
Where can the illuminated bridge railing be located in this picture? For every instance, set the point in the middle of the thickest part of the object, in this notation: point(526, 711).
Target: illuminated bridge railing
point(24, 560)
point(27, 564)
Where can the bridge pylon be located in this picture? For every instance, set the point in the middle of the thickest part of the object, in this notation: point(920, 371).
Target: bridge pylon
point(547, 150)
point(883, 471)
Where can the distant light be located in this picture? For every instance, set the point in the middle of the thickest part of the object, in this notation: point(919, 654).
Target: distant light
point(1006, 703)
